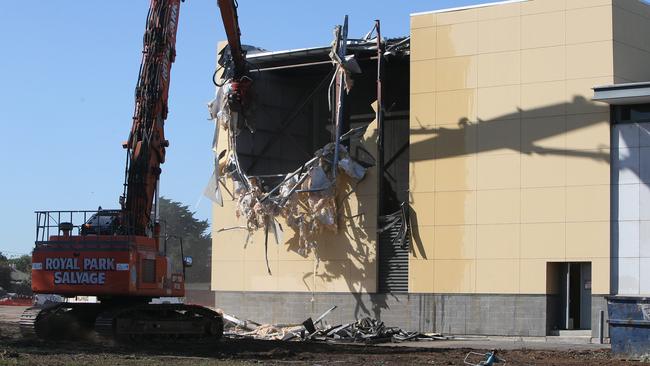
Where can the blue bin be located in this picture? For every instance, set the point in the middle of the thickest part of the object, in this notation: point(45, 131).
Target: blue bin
point(629, 325)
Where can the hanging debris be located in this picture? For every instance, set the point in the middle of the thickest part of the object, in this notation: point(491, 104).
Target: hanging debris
point(306, 197)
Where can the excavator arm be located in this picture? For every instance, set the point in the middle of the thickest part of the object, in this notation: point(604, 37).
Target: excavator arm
point(228, 10)
point(146, 144)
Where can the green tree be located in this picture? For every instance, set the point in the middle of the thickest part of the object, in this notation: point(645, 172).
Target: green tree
point(5, 272)
point(22, 263)
point(177, 221)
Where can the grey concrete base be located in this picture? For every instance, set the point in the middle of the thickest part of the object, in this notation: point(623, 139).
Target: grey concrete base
point(598, 303)
point(479, 314)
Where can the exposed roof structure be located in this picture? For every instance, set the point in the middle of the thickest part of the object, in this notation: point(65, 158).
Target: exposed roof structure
point(268, 59)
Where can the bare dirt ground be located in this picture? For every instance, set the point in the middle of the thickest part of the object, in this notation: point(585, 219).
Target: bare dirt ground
point(14, 350)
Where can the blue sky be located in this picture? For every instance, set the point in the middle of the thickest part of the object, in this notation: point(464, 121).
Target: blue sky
point(67, 74)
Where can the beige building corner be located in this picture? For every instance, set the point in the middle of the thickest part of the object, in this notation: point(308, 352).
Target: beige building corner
point(513, 182)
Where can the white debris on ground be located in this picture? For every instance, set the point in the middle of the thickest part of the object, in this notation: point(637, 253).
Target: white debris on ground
point(365, 330)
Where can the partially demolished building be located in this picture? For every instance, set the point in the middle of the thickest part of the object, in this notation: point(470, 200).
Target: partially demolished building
point(477, 201)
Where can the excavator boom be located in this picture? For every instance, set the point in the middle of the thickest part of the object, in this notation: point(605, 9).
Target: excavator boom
point(146, 144)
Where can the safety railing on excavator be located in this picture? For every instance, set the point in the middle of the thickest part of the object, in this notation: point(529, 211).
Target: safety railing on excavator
point(80, 222)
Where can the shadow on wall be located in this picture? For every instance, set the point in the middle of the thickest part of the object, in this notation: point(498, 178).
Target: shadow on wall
point(522, 131)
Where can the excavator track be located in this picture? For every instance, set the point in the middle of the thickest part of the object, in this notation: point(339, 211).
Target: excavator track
point(63, 321)
point(141, 322)
point(159, 321)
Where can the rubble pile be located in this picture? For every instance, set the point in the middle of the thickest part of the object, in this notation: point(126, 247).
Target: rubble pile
point(365, 330)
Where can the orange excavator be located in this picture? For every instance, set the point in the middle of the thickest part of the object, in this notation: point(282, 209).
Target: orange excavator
point(119, 256)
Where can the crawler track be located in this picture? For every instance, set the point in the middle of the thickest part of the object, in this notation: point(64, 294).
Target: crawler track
point(140, 322)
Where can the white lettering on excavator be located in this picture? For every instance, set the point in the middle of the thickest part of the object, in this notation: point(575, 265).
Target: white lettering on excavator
point(68, 271)
point(79, 278)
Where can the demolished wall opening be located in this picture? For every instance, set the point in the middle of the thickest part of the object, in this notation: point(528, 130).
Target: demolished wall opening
point(283, 143)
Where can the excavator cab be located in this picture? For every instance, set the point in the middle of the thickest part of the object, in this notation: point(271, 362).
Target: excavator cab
point(104, 222)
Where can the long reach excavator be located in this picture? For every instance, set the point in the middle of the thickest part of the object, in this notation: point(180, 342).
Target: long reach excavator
point(119, 256)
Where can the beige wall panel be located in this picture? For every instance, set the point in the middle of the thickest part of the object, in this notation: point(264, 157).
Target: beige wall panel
point(289, 253)
point(456, 39)
point(501, 11)
point(506, 135)
point(422, 143)
point(574, 4)
point(579, 93)
point(631, 63)
point(227, 275)
point(423, 43)
point(587, 167)
point(456, 73)
point(532, 278)
point(587, 203)
point(540, 205)
point(497, 241)
point(455, 208)
point(423, 21)
point(543, 30)
point(456, 174)
point(459, 16)
point(455, 242)
point(543, 64)
point(257, 277)
point(497, 276)
point(587, 239)
point(423, 76)
point(421, 276)
point(422, 241)
point(499, 69)
point(499, 103)
point(455, 140)
point(499, 171)
point(588, 131)
point(347, 244)
point(424, 206)
point(453, 107)
point(336, 276)
point(543, 99)
point(630, 27)
point(363, 276)
point(498, 35)
point(539, 241)
point(543, 135)
point(452, 276)
point(422, 175)
point(541, 170)
point(600, 276)
point(589, 24)
point(499, 137)
point(296, 275)
point(363, 206)
point(586, 60)
point(543, 6)
point(498, 206)
point(422, 110)
point(255, 249)
point(228, 245)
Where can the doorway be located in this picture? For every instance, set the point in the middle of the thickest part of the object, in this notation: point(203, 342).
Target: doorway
point(572, 282)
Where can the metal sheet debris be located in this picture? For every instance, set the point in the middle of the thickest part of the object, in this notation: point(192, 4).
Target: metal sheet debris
point(306, 197)
point(365, 330)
